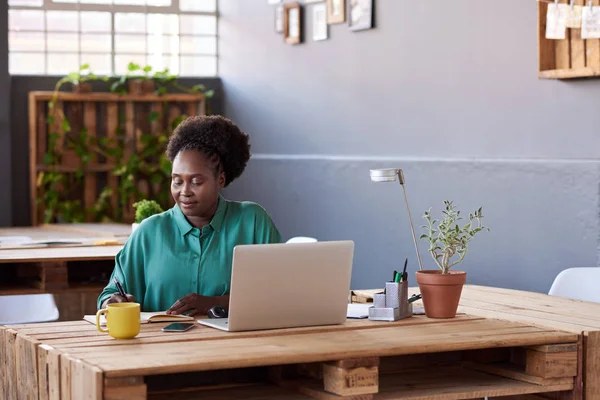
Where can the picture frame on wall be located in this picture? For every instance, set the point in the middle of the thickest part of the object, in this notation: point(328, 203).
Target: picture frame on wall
point(360, 14)
point(292, 23)
point(336, 11)
point(319, 21)
point(279, 15)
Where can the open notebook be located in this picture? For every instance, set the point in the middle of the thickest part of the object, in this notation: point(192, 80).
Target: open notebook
point(146, 317)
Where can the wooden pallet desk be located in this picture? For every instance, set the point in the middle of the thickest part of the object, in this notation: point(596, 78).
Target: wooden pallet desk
point(75, 274)
point(416, 358)
point(579, 317)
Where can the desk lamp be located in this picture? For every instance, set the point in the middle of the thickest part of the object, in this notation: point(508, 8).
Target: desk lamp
point(389, 175)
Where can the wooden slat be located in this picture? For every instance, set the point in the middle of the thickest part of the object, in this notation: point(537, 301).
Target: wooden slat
point(246, 392)
point(33, 154)
point(563, 53)
point(593, 50)
point(27, 370)
point(111, 97)
point(514, 372)
point(591, 366)
point(174, 113)
point(250, 352)
point(132, 388)
point(192, 109)
point(546, 51)
point(10, 365)
point(452, 383)
point(157, 125)
point(42, 373)
point(578, 56)
point(112, 122)
point(91, 181)
point(86, 381)
point(54, 375)
point(61, 254)
point(65, 377)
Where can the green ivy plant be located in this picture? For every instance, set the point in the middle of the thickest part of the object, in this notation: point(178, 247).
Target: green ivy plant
point(447, 238)
point(145, 209)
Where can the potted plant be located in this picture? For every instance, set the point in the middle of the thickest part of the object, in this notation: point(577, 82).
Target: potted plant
point(441, 289)
point(143, 210)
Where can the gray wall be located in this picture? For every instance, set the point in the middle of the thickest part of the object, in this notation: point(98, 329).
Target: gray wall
point(447, 91)
point(5, 178)
point(21, 86)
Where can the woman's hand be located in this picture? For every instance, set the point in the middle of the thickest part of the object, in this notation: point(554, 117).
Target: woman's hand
point(194, 304)
point(117, 298)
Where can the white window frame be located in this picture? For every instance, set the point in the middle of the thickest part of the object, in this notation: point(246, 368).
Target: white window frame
point(50, 5)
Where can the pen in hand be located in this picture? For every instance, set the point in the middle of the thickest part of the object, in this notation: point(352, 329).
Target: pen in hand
point(120, 289)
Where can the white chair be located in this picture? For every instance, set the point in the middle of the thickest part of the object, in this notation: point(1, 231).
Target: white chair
point(27, 308)
point(578, 284)
point(301, 239)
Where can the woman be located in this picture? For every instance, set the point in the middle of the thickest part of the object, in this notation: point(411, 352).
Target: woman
point(180, 260)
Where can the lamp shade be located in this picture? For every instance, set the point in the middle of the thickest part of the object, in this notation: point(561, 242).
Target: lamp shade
point(384, 175)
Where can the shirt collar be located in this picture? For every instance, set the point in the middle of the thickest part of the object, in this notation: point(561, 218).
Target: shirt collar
point(216, 223)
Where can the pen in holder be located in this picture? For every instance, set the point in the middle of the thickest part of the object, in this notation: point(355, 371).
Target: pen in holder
point(396, 303)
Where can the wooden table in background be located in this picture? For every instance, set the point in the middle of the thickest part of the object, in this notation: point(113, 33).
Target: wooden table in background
point(579, 317)
point(415, 358)
point(74, 274)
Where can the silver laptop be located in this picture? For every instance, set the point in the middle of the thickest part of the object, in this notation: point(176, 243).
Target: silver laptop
point(287, 285)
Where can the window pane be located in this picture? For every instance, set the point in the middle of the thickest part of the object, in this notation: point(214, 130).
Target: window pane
point(130, 22)
point(198, 5)
point(63, 21)
point(159, 3)
point(198, 66)
point(130, 44)
point(95, 22)
point(122, 61)
point(163, 24)
point(26, 63)
point(100, 64)
point(96, 43)
point(163, 44)
point(160, 63)
point(60, 64)
point(131, 2)
point(26, 20)
point(26, 3)
point(198, 25)
point(63, 42)
point(96, 1)
point(26, 41)
point(199, 45)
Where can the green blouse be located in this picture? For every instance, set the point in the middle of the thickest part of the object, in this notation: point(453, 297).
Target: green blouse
point(166, 258)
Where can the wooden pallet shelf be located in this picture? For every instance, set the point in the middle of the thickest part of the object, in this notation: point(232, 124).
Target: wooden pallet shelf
point(125, 121)
point(570, 58)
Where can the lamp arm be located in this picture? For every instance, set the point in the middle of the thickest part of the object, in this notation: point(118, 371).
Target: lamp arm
point(412, 229)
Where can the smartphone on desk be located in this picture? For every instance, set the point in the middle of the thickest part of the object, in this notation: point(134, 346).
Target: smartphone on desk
point(178, 327)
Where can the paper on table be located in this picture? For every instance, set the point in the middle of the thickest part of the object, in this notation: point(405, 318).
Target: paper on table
point(358, 310)
point(14, 239)
point(145, 318)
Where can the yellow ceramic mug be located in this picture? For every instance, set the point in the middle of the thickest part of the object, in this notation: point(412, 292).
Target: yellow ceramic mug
point(122, 320)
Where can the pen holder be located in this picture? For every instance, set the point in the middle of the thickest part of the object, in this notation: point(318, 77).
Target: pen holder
point(396, 303)
point(379, 300)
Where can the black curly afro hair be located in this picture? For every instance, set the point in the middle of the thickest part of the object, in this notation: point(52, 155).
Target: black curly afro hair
point(218, 138)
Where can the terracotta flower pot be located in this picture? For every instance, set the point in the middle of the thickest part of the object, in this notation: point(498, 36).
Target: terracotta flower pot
point(441, 292)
